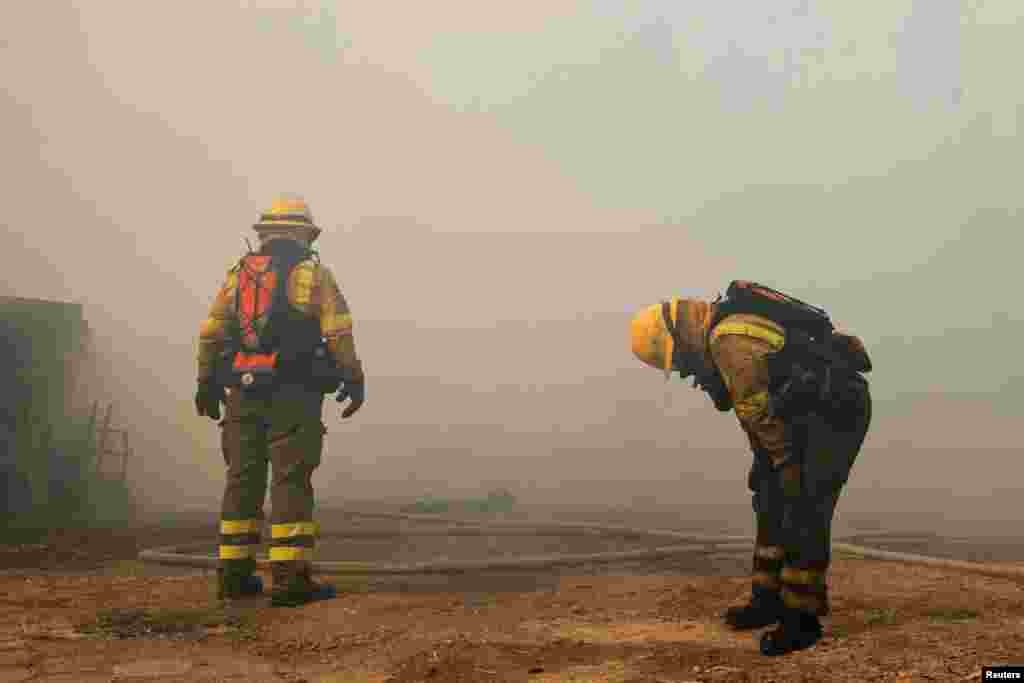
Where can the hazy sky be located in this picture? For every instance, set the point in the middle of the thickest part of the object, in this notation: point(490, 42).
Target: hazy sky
point(479, 165)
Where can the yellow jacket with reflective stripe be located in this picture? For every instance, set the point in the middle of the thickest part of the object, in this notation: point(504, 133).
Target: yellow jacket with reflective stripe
point(739, 346)
point(312, 290)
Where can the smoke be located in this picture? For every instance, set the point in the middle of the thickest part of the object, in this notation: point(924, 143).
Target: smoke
point(501, 188)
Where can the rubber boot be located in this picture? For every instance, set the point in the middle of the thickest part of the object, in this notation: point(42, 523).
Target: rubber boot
point(764, 609)
point(294, 586)
point(797, 630)
point(235, 579)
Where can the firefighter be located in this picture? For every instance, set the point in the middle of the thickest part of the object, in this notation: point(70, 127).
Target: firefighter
point(277, 338)
point(796, 385)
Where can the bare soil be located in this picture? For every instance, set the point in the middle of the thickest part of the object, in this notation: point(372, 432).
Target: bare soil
point(88, 611)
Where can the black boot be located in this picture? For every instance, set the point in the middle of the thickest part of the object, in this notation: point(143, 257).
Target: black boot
point(235, 579)
point(798, 630)
point(764, 609)
point(294, 586)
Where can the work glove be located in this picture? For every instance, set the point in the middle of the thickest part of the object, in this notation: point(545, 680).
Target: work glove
point(209, 396)
point(354, 392)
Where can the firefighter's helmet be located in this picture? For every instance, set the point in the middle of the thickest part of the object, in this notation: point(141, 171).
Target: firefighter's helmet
point(650, 330)
point(652, 344)
point(287, 212)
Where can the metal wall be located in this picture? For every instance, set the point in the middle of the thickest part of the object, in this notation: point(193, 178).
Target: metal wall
point(42, 345)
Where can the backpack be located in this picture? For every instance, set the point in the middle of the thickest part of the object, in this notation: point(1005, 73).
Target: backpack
point(809, 329)
point(818, 367)
point(270, 342)
point(787, 312)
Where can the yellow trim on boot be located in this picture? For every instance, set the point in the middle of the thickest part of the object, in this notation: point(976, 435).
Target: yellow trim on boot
point(293, 529)
point(290, 554)
point(236, 552)
point(234, 527)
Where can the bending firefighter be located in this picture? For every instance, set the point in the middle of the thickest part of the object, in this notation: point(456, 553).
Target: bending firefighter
point(277, 338)
point(797, 387)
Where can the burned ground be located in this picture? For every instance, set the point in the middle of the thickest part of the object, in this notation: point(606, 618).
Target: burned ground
point(95, 613)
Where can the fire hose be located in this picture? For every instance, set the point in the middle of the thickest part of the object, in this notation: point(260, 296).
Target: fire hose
point(675, 543)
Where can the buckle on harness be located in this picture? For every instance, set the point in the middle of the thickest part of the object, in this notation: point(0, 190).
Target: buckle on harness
point(254, 369)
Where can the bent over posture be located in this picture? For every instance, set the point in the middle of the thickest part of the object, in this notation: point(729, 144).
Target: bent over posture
point(796, 385)
point(277, 338)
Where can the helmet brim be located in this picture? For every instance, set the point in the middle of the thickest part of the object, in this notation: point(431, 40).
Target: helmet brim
point(275, 226)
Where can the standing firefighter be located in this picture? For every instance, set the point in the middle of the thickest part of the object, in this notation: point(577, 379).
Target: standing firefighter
point(796, 386)
point(278, 337)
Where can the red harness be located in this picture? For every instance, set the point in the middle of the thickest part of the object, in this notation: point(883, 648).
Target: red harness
point(254, 304)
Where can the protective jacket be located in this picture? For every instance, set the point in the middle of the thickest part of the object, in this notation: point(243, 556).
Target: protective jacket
point(312, 311)
point(771, 358)
point(780, 360)
point(740, 346)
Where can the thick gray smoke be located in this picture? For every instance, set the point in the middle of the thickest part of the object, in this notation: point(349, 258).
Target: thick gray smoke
point(500, 189)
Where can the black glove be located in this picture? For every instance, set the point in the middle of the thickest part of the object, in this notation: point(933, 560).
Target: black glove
point(354, 391)
point(209, 396)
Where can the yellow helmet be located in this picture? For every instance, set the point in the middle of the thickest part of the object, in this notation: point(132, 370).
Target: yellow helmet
point(285, 213)
point(653, 343)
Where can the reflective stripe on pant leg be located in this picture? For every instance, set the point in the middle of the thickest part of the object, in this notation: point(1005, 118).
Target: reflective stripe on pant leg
point(803, 577)
point(767, 565)
point(768, 549)
point(805, 589)
point(768, 510)
point(809, 511)
point(293, 541)
point(243, 442)
point(239, 538)
point(296, 443)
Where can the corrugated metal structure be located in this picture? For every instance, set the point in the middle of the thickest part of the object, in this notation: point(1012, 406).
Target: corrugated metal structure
point(43, 346)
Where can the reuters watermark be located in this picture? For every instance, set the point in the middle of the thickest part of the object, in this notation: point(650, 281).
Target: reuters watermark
point(1002, 673)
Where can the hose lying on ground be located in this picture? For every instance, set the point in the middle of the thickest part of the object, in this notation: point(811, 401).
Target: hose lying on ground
point(677, 543)
point(998, 570)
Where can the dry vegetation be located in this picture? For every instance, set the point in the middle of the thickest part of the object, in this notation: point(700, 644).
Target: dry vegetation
point(120, 620)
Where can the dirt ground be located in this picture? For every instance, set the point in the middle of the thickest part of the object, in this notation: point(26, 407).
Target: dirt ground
point(79, 607)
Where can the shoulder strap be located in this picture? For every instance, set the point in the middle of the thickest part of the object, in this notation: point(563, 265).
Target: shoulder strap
point(269, 279)
point(706, 375)
point(284, 257)
point(237, 268)
point(670, 325)
point(251, 282)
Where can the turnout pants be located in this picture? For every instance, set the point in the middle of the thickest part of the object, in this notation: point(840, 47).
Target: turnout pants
point(795, 504)
point(280, 433)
